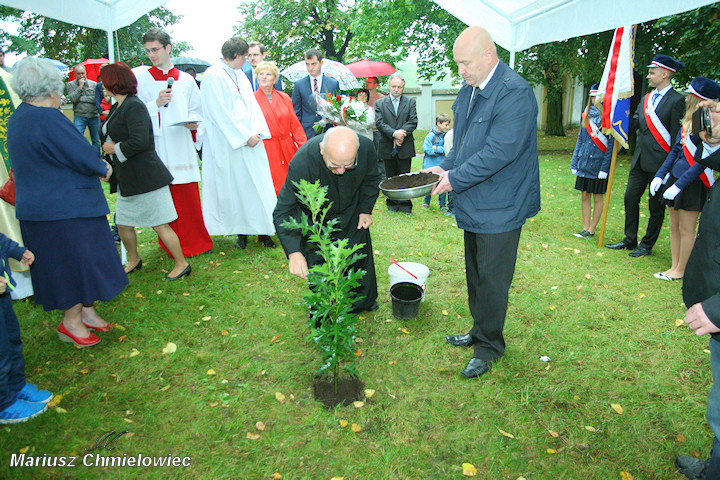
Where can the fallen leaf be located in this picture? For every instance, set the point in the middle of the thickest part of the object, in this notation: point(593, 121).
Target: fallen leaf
point(214, 404)
point(469, 469)
point(207, 318)
point(127, 420)
point(506, 434)
point(626, 476)
point(551, 451)
point(680, 438)
point(404, 330)
point(84, 371)
point(369, 392)
point(169, 348)
point(276, 476)
point(224, 332)
point(56, 399)
point(165, 388)
point(134, 353)
point(358, 404)
point(60, 410)
point(355, 427)
point(252, 436)
point(211, 372)
point(122, 337)
point(279, 397)
point(343, 423)
point(679, 322)
point(24, 449)
point(120, 327)
point(337, 478)
point(617, 408)
point(275, 338)
point(445, 312)
point(138, 295)
point(186, 294)
point(260, 426)
point(590, 429)
point(392, 362)
point(552, 307)
point(554, 434)
point(588, 276)
point(358, 352)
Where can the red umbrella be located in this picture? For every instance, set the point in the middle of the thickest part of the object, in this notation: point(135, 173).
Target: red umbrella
point(370, 68)
point(92, 68)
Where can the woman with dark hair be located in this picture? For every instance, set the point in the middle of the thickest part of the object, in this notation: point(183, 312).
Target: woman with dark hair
point(144, 198)
point(61, 206)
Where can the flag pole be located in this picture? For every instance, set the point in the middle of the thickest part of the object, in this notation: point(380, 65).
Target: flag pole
point(608, 192)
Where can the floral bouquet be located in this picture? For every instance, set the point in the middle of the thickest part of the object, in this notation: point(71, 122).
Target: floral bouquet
point(341, 110)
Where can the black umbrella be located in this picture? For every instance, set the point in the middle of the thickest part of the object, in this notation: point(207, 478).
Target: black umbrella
point(197, 64)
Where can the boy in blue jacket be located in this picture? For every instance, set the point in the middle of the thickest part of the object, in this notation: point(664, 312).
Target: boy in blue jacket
point(19, 401)
point(435, 152)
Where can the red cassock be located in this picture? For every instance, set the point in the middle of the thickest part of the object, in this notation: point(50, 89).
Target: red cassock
point(286, 131)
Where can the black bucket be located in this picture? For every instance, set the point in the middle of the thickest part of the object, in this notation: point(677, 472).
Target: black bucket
point(406, 299)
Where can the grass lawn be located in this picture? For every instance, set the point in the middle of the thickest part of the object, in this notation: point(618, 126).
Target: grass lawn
point(242, 342)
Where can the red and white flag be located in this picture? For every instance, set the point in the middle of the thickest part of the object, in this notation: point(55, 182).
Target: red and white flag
point(617, 84)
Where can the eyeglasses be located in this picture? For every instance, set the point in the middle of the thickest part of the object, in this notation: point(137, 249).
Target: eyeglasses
point(333, 166)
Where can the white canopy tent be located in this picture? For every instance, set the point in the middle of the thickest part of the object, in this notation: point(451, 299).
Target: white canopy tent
point(108, 15)
point(519, 24)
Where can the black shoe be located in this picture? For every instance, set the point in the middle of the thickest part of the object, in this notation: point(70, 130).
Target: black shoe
point(692, 467)
point(241, 242)
point(640, 252)
point(185, 272)
point(476, 368)
point(266, 241)
point(137, 267)
point(371, 308)
point(460, 340)
point(623, 245)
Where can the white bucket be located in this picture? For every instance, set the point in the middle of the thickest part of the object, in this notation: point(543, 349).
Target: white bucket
point(398, 275)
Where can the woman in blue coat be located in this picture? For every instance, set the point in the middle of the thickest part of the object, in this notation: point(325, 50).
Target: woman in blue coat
point(682, 183)
point(591, 164)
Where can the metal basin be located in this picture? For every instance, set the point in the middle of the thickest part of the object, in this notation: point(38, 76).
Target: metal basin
point(408, 193)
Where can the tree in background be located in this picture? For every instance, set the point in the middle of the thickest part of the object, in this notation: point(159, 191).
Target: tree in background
point(72, 44)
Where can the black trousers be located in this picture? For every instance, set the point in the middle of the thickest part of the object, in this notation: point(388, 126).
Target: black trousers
point(396, 166)
point(490, 265)
point(638, 181)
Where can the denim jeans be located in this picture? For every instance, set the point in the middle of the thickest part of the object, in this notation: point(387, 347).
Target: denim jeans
point(713, 410)
point(93, 124)
point(441, 199)
point(12, 361)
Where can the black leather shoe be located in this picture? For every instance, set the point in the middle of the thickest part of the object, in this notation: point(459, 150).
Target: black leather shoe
point(460, 340)
point(692, 467)
point(266, 241)
point(640, 252)
point(185, 272)
point(241, 242)
point(371, 308)
point(475, 368)
point(623, 245)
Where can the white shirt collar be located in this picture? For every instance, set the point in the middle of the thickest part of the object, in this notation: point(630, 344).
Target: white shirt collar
point(487, 79)
point(663, 91)
point(708, 150)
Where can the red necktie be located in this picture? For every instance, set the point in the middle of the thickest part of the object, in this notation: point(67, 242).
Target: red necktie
point(315, 85)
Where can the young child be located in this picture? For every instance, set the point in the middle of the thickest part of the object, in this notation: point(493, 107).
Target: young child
point(19, 401)
point(435, 153)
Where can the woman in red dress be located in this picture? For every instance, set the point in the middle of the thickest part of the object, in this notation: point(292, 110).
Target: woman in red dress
point(285, 129)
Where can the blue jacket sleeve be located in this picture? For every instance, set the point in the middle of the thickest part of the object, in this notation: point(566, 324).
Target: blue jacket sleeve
point(10, 248)
point(99, 97)
point(428, 144)
point(690, 175)
point(574, 161)
point(672, 157)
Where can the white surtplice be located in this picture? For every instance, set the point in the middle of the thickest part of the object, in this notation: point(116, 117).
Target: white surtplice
point(238, 196)
point(173, 143)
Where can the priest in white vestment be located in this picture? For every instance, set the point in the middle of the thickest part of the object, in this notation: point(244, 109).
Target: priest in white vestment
point(175, 113)
point(238, 196)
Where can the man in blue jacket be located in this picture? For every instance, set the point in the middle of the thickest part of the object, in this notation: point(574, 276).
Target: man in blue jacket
point(307, 89)
point(493, 172)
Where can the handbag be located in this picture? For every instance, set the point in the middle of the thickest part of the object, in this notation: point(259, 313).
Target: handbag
point(7, 191)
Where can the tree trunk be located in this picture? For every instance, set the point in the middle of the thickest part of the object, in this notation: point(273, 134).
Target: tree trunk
point(554, 116)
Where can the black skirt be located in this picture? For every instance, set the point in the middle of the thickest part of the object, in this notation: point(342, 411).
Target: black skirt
point(591, 185)
point(76, 261)
point(691, 198)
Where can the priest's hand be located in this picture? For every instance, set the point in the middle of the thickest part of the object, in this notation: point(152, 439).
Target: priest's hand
point(192, 126)
point(164, 97)
point(252, 141)
point(364, 221)
point(697, 320)
point(297, 265)
point(444, 183)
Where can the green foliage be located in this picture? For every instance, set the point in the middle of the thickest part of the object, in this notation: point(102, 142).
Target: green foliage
point(72, 44)
point(331, 283)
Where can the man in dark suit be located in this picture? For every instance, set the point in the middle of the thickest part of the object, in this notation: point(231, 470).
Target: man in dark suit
point(257, 54)
point(494, 175)
point(701, 294)
point(306, 90)
point(396, 120)
point(657, 121)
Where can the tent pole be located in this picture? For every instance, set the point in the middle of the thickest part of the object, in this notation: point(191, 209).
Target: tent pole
point(111, 46)
point(512, 59)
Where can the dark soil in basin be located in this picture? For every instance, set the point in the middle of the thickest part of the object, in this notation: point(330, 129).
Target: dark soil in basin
point(401, 182)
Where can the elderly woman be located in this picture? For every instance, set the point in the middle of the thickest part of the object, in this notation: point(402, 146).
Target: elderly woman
point(61, 206)
point(144, 198)
point(285, 129)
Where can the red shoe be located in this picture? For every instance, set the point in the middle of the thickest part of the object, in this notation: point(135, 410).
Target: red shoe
point(68, 337)
point(106, 328)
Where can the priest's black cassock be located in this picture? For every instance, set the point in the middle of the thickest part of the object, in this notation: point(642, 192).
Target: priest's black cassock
point(351, 194)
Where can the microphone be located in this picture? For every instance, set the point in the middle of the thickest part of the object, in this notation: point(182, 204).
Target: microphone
point(170, 84)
